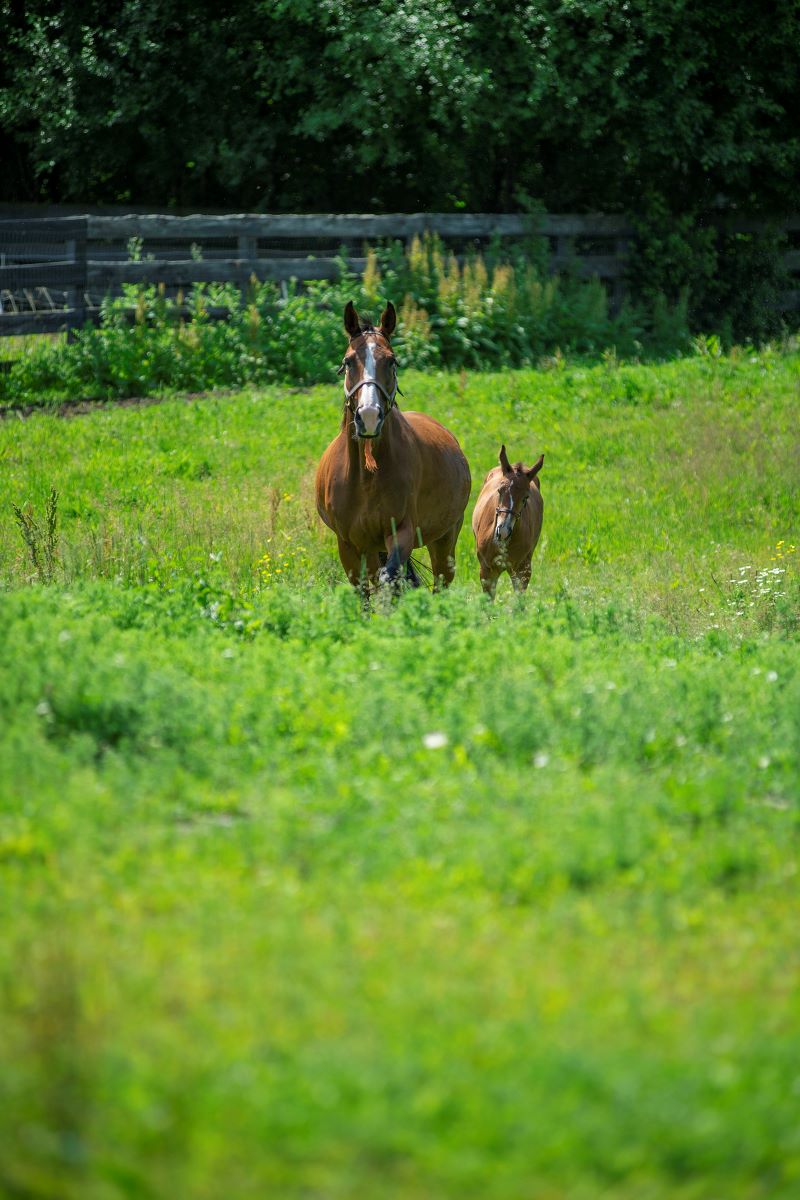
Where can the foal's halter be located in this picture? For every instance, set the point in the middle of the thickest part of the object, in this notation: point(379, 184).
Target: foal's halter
point(512, 512)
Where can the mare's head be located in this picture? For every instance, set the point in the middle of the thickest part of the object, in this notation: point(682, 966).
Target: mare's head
point(513, 494)
point(370, 370)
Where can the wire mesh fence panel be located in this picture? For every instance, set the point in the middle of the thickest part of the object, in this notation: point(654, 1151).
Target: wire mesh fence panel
point(42, 274)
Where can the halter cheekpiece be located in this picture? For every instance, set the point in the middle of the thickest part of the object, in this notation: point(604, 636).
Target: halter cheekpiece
point(512, 512)
point(391, 401)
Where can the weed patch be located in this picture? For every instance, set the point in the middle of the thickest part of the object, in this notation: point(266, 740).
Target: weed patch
point(475, 314)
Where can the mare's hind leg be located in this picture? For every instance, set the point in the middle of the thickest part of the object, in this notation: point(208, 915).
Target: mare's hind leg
point(443, 556)
point(412, 578)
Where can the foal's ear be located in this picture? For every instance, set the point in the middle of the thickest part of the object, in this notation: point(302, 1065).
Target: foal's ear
point(388, 320)
point(536, 468)
point(352, 325)
point(504, 463)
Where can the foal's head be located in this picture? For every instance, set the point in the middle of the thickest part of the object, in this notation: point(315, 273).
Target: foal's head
point(370, 370)
point(513, 494)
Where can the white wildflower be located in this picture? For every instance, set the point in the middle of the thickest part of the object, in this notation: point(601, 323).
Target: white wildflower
point(435, 740)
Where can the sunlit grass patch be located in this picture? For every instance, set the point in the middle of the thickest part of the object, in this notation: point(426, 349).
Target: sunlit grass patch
point(13, 348)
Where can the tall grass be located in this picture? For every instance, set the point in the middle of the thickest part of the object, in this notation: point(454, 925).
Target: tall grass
point(699, 453)
point(480, 313)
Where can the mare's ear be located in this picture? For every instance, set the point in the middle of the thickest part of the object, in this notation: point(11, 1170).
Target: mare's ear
point(388, 320)
point(536, 468)
point(352, 325)
point(504, 463)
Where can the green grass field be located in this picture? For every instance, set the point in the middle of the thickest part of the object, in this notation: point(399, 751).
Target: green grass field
point(449, 900)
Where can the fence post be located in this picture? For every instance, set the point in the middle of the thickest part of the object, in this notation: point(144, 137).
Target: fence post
point(247, 248)
point(564, 253)
point(620, 288)
point(75, 252)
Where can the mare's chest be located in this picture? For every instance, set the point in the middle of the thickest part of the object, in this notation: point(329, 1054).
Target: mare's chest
point(364, 513)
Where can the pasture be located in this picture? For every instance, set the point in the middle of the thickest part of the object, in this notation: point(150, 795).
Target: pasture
point(448, 900)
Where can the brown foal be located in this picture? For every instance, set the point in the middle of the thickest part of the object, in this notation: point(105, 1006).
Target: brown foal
point(507, 522)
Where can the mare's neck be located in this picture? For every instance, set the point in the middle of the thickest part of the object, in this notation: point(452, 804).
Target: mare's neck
point(360, 450)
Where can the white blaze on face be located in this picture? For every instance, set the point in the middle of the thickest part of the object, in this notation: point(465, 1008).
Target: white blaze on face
point(504, 521)
point(369, 398)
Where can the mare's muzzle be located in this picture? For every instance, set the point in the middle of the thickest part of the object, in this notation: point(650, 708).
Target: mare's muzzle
point(369, 403)
point(369, 420)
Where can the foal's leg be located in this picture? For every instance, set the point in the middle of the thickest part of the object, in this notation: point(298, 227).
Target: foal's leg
point(490, 572)
point(521, 575)
point(489, 580)
point(443, 556)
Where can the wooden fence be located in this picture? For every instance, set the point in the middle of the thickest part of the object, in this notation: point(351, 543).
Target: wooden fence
point(54, 272)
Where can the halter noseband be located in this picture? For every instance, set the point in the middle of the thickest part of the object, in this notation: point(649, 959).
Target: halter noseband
point(349, 393)
point(515, 513)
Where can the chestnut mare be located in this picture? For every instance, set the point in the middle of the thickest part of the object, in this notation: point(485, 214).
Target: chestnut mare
point(507, 522)
point(391, 480)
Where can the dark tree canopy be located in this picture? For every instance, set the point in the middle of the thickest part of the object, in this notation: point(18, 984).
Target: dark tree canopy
point(315, 105)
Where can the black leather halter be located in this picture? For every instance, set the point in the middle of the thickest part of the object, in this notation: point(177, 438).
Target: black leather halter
point(349, 393)
point(512, 512)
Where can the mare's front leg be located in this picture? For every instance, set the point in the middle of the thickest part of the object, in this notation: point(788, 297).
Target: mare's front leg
point(361, 569)
point(399, 544)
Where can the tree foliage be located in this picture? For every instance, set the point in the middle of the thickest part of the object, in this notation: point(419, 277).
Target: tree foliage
point(313, 104)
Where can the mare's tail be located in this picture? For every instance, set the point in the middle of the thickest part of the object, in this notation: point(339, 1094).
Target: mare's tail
point(412, 578)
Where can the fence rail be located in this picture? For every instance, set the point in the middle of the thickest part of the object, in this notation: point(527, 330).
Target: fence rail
point(54, 271)
point(363, 226)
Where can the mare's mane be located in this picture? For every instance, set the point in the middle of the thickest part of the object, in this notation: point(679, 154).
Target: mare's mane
point(366, 326)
